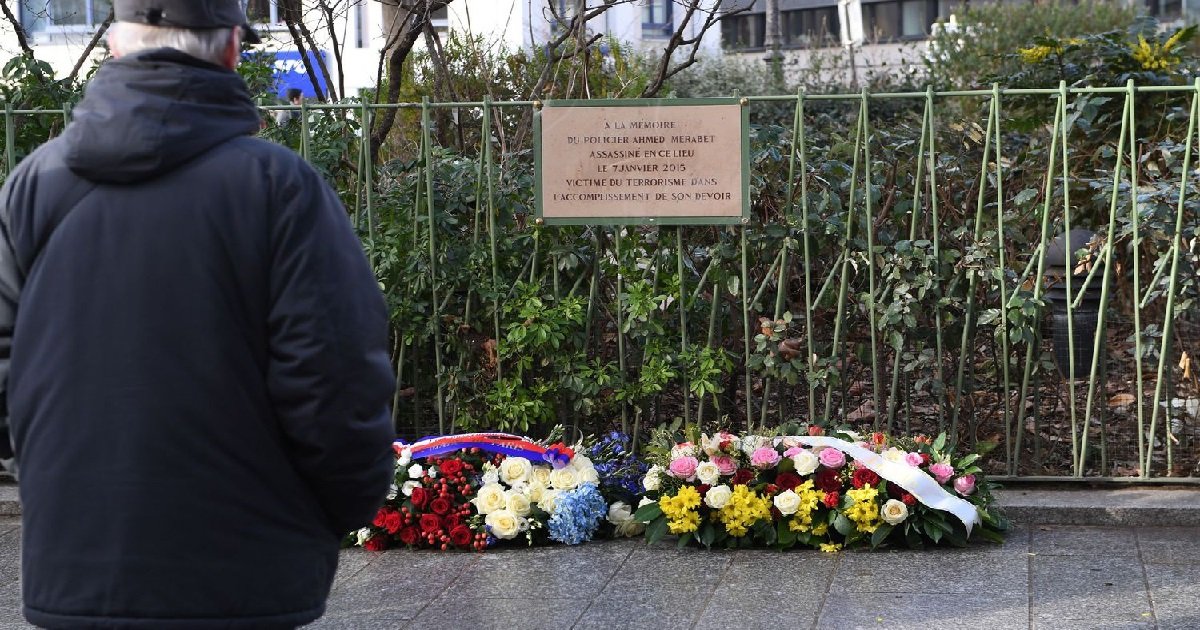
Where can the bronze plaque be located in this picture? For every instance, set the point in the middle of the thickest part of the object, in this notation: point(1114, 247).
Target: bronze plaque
point(660, 163)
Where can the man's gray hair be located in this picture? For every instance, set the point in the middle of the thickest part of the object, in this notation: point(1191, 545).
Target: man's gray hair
point(207, 44)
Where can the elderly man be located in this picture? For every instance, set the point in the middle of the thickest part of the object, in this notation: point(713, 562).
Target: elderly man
point(194, 348)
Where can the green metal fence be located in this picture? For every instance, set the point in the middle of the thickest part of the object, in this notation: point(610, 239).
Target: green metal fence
point(893, 277)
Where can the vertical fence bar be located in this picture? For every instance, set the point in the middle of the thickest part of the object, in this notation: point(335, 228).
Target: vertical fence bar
point(876, 385)
point(683, 333)
point(1173, 285)
point(1135, 220)
point(621, 365)
point(1004, 351)
point(746, 329)
point(808, 301)
point(845, 273)
point(1097, 355)
point(1068, 278)
point(935, 215)
point(305, 143)
point(10, 142)
point(1031, 347)
point(968, 331)
point(436, 316)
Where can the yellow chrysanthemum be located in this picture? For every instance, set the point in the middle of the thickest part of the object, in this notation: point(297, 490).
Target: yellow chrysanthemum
point(680, 510)
point(810, 498)
point(687, 523)
point(864, 512)
point(743, 510)
point(830, 547)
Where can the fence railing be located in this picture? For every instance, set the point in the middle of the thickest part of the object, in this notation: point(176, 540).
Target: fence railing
point(897, 275)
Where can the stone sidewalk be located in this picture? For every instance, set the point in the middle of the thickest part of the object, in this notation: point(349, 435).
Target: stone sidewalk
point(1138, 570)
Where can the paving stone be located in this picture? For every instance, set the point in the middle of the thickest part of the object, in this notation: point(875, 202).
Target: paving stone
point(351, 561)
point(931, 571)
point(527, 613)
point(667, 570)
point(770, 588)
point(1101, 590)
point(1073, 540)
point(653, 610)
point(10, 556)
point(399, 583)
point(558, 572)
point(1169, 545)
point(1175, 594)
point(917, 611)
point(10, 607)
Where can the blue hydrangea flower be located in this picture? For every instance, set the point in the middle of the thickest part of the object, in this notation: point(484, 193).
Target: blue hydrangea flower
point(577, 514)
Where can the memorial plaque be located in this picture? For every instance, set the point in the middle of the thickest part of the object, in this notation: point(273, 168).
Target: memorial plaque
point(677, 162)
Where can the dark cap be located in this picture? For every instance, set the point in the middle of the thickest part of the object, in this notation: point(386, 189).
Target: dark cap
point(190, 14)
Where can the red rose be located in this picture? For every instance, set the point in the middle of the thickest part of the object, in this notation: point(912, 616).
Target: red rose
point(863, 477)
point(409, 536)
point(392, 522)
point(460, 536)
point(925, 459)
point(771, 489)
point(431, 523)
point(827, 480)
point(439, 506)
point(742, 476)
point(788, 480)
point(450, 521)
point(381, 517)
point(420, 496)
point(832, 499)
point(702, 489)
point(451, 466)
point(908, 499)
point(815, 430)
point(376, 543)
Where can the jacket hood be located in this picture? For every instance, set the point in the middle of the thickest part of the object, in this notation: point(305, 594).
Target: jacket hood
point(145, 114)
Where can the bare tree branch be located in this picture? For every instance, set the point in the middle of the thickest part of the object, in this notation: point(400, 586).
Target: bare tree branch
point(22, 39)
point(664, 68)
point(87, 52)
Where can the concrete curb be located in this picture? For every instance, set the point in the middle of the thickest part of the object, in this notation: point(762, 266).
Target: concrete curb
point(1115, 507)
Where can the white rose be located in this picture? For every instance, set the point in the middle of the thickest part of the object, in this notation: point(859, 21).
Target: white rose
point(621, 516)
point(408, 486)
point(491, 477)
point(651, 482)
point(490, 498)
point(806, 462)
point(717, 496)
point(787, 502)
point(415, 471)
point(504, 524)
point(405, 458)
point(585, 469)
point(540, 476)
point(708, 473)
point(893, 512)
point(894, 454)
point(564, 479)
point(534, 492)
point(362, 535)
point(683, 449)
point(549, 500)
point(514, 470)
point(517, 502)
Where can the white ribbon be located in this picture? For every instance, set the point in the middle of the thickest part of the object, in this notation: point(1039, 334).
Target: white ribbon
point(917, 482)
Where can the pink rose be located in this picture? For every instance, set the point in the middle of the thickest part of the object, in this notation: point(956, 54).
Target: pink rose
point(725, 464)
point(684, 468)
point(793, 451)
point(832, 458)
point(913, 459)
point(965, 484)
point(764, 457)
point(942, 472)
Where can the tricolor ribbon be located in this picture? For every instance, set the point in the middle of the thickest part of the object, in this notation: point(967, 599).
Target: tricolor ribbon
point(557, 455)
point(914, 480)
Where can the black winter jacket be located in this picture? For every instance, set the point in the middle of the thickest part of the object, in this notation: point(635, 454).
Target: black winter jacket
point(199, 379)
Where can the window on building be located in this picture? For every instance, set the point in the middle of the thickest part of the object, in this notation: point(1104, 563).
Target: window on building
point(49, 15)
point(440, 19)
point(899, 20)
point(656, 18)
point(811, 27)
point(263, 12)
point(1165, 9)
point(744, 30)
